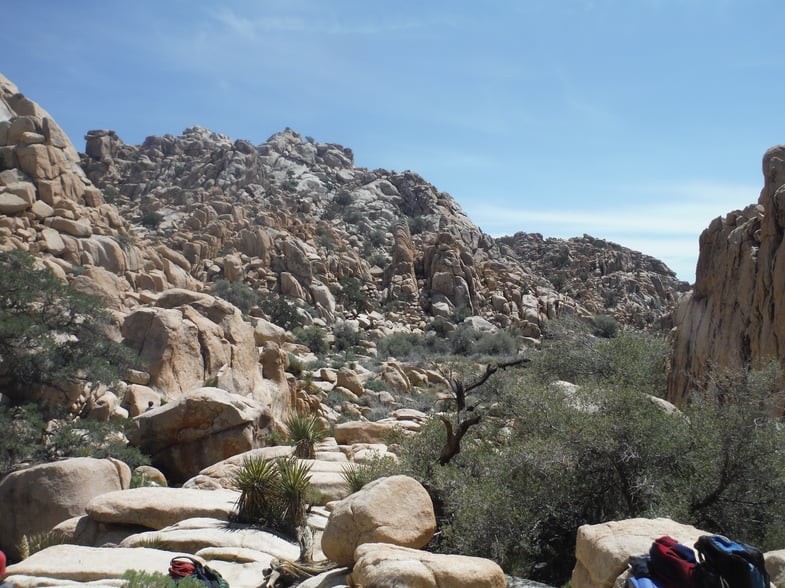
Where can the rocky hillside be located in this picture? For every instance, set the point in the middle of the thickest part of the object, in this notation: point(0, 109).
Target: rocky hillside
point(296, 217)
point(735, 316)
point(156, 228)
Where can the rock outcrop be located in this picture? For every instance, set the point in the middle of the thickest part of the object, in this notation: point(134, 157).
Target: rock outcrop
point(602, 551)
point(735, 316)
point(396, 510)
point(199, 429)
point(36, 499)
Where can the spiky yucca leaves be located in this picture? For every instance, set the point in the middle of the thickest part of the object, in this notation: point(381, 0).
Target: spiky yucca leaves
point(304, 432)
point(257, 482)
point(294, 483)
point(273, 493)
point(36, 542)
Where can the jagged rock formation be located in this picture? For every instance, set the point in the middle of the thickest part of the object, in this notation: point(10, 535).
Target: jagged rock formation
point(603, 277)
point(735, 316)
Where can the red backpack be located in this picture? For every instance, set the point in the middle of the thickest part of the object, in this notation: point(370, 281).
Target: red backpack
point(672, 563)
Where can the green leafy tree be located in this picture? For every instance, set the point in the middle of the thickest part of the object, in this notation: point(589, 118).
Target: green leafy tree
point(51, 334)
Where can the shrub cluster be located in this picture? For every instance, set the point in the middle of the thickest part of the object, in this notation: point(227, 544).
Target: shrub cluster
point(548, 458)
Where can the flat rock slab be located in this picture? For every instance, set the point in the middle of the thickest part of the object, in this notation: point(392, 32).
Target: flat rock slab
point(63, 565)
point(157, 508)
point(87, 564)
point(192, 535)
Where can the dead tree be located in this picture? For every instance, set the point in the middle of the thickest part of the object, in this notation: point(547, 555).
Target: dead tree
point(466, 414)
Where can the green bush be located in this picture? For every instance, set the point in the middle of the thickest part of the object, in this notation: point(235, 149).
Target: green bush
point(32, 440)
point(345, 336)
point(358, 475)
point(546, 459)
point(605, 326)
point(313, 338)
point(151, 219)
point(140, 579)
point(241, 295)
point(281, 311)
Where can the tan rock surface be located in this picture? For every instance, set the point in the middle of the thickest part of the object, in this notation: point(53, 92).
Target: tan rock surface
point(380, 565)
point(156, 508)
point(199, 429)
point(602, 551)
point(35, 499)
point(396, 510)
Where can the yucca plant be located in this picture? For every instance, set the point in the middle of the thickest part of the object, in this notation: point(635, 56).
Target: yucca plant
point(304, 432)
point(257, 482)
point(293, 483)
point(36, 542)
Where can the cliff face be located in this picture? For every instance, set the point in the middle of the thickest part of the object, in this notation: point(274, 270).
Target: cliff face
point(735, 316)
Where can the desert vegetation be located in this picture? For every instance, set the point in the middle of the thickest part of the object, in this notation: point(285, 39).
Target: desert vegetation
point(545, 456)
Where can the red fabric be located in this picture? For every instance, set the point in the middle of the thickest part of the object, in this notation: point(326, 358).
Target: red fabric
point(672, 563)
point(2, 564)
point(180, 568)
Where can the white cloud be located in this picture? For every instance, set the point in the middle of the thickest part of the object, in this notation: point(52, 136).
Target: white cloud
point(664, 220)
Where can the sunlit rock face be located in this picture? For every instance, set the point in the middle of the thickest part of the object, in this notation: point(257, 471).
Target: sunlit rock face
point(735, 316)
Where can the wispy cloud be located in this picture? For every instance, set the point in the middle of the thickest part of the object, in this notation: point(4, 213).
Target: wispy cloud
point(663, 220)
point(313, 24)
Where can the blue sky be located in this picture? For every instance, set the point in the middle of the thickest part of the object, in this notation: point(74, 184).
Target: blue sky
point(636, 121)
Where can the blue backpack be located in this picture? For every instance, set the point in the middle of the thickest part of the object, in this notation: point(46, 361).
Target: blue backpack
point(731, 564)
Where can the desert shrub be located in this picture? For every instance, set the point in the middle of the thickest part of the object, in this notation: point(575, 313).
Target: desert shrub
point(273, 493)
point(361, 474)
point(499, 343)
point(417, 224)
point(313, 338)
point(241, 295)
point(91, 438)
point(343, 198)
point(32, 440)
point(736, 476)
point(151, 218)
point(571, 352)
point(605, 326)
point(398, 345)
point(352, 216)
point(548, 459)
point(352, 295)
point(50, 333)
point(31, 544)
point(345, 336)
point(281, 311)
point(140, 579)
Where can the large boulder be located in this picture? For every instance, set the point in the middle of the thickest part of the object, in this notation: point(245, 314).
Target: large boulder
point(37, 498)
point(199, 429)
point(189, 338)
point(378, 563)
point(396, 510)
point(602, 551)
point(156, 508)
